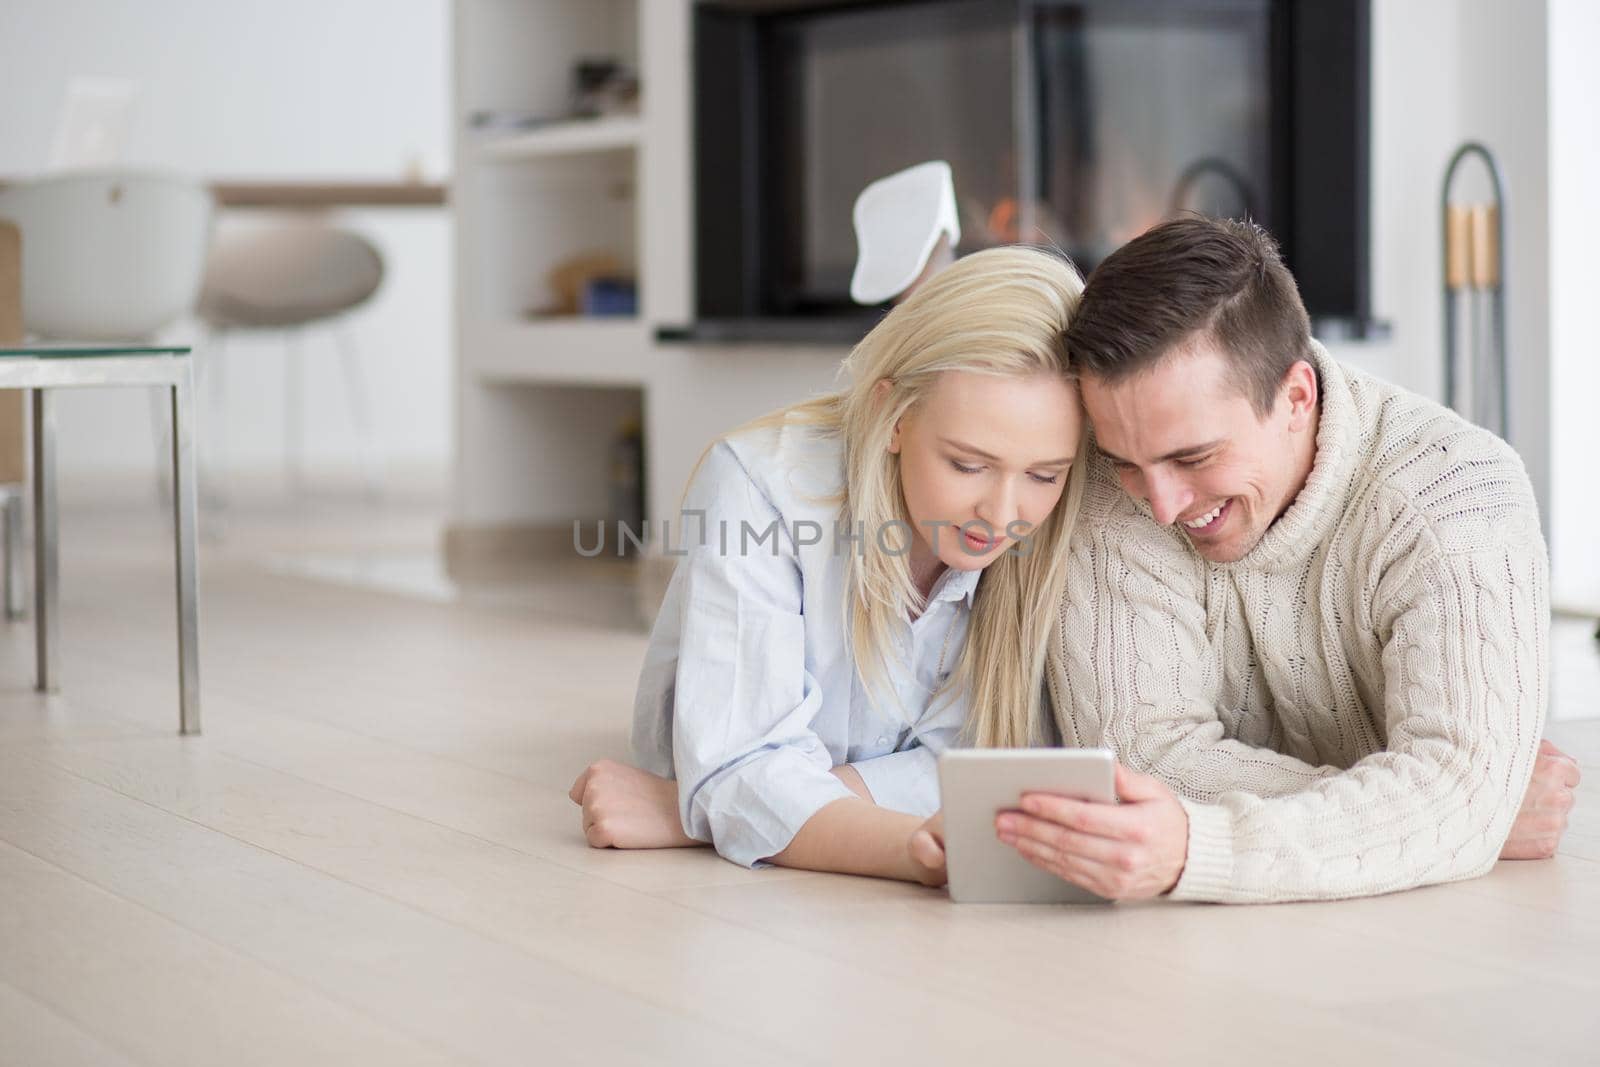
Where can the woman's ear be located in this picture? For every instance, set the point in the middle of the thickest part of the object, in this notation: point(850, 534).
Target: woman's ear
point(880, 396)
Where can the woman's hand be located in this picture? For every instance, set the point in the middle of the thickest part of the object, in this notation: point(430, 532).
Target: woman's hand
point(926, 848)
point(624, 807)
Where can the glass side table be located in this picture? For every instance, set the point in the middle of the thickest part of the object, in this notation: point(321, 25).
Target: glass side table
point(42, 368)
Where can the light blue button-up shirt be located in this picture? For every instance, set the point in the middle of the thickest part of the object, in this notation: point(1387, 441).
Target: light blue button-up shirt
point(749, 694)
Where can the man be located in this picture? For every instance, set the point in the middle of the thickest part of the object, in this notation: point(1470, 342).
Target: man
point(1307, 609)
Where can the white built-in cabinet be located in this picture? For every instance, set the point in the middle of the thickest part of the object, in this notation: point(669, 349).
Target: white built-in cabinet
point(539, 401)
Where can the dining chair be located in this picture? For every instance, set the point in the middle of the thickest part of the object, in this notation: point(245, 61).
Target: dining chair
point(287, 278)
point(105, 255)
point(108, 255)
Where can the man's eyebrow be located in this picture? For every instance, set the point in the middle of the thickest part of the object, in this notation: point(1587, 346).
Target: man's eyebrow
point(981, 454)
point(1182, 453)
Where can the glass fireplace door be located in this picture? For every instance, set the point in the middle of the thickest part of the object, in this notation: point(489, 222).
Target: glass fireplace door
point(1147, 107)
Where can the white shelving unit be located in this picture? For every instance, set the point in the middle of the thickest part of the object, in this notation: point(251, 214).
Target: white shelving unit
point(541, 397)
point(575, 137)
point(610, 352)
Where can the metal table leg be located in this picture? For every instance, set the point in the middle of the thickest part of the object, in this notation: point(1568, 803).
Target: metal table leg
point(46, 575)
point(16, 588)
point(183, 531)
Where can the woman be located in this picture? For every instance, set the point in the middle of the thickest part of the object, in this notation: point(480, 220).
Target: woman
point(871, 576)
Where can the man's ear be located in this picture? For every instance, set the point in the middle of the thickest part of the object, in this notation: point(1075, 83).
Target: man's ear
point(880, 396)
point(1300, 391)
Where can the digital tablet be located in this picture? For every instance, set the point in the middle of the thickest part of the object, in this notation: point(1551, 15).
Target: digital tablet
point(976, 784)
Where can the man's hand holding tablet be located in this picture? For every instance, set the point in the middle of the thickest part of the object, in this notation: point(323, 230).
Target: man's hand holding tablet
point(1046, 826)
point(1133, 850)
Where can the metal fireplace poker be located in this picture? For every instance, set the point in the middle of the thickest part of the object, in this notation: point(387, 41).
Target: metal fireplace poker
point(1474, 243)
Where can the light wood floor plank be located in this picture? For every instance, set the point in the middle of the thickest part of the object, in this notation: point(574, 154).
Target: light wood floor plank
point(1107, 967)
point(447, 782)
point(160, 994)
point(34, 1034)
point(697, 966)
point(424, 746)
point(444, 985)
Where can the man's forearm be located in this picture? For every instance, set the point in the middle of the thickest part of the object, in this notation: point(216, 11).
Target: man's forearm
point(854, 836)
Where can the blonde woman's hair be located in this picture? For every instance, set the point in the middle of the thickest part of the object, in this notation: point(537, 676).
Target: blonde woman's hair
point(1002, 311)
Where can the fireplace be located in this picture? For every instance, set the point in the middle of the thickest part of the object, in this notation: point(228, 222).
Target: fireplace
point(1073, 123)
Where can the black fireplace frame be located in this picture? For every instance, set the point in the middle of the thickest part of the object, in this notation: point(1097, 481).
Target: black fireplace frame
point(1320, 137)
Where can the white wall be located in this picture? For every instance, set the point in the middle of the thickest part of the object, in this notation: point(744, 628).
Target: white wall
point(1574, 279)
point(293, 89)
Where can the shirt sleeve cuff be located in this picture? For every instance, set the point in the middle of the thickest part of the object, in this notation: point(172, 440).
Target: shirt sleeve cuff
point(1208, 870)
point(753, 811)
point(906, 781)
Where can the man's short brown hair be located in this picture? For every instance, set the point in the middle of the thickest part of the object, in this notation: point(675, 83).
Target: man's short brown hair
point(1193, 277)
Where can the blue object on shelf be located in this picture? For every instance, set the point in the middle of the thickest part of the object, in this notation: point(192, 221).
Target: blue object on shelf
point(610, 296)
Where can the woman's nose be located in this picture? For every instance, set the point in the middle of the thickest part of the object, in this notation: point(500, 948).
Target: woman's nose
point(999, 507)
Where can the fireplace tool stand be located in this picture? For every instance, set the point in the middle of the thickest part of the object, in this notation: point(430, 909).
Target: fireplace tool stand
point(1474, 291)
point(1476, 380)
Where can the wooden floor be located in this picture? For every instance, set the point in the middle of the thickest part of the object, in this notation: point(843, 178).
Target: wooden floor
point(369, 857)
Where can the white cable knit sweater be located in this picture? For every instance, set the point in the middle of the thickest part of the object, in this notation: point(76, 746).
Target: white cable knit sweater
point(1354, 707)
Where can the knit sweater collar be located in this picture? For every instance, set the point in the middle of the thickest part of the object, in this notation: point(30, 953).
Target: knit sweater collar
point(1312, 516)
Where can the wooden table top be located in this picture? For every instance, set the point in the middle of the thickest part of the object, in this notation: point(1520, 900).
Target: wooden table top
point(313, 194)
point(329, 194)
